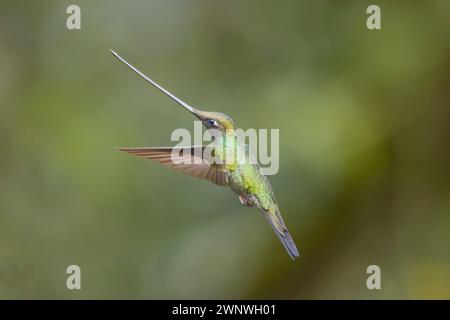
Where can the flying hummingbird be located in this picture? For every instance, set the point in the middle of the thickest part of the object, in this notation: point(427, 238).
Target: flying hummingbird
point(243, 176)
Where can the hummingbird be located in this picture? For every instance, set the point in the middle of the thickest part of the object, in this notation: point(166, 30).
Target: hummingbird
point(243, 177)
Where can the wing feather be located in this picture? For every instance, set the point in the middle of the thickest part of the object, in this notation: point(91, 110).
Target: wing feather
point(185, 160)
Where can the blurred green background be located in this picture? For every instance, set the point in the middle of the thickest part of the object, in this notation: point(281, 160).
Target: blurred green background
point(364, 153)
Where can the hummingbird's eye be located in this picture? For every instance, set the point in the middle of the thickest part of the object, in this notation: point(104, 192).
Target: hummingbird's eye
point(211, 122)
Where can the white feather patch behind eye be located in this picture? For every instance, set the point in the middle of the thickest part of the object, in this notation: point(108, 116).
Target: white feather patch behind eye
point(212, 122)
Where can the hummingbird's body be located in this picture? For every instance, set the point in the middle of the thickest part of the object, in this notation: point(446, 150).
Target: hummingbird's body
point(234, 168)
point(244, 176)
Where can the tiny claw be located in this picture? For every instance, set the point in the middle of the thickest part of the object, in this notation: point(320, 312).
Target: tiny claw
point(244, 201)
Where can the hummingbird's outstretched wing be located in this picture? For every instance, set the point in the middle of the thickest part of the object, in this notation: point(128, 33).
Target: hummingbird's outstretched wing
point(187, 160)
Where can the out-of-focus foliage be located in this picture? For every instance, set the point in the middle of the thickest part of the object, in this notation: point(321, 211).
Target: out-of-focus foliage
point(364, 153)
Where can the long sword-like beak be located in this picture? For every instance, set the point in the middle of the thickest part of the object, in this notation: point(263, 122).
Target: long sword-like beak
point(153, 83)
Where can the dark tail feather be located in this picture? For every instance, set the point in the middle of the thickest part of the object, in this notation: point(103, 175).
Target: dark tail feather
point(283, 234)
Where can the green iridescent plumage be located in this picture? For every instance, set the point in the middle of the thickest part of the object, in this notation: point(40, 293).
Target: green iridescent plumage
point(234, 168)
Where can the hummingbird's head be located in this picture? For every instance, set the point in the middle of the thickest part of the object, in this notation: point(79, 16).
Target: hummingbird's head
point(215, 120)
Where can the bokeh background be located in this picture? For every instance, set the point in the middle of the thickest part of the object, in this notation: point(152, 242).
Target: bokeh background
point(364, 151)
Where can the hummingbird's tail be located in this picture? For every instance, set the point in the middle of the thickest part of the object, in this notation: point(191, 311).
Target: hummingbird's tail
point(278, 225)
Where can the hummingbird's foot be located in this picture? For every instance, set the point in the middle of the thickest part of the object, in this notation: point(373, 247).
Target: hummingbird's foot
point(245, 201)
